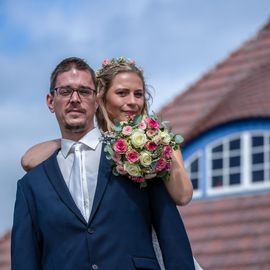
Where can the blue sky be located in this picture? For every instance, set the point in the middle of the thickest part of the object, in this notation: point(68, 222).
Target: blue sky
point(174, 41)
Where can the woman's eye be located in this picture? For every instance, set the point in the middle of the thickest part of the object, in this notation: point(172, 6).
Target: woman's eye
point(121, 93)
point(138, 94)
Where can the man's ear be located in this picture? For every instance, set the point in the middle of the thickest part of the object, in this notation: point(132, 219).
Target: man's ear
point(50, 102)
point(96, 102)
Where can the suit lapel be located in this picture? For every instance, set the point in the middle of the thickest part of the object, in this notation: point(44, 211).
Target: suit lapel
point(104, 174)
point(56, 178)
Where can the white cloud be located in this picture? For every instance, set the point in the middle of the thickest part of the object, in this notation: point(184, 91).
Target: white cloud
point(174, 41)
point(21, 127)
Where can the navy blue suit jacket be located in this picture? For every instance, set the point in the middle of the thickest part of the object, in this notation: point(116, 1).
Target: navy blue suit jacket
point(49, 232)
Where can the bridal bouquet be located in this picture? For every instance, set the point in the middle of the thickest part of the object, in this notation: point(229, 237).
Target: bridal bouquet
point(141, 148)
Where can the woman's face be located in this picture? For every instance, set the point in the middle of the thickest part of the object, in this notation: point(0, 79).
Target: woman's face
point(125, 97)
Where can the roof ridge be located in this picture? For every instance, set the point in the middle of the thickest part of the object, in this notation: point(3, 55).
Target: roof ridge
point(221, 63)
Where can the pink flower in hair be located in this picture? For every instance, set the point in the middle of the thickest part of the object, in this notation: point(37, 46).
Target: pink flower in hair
point(105, 62)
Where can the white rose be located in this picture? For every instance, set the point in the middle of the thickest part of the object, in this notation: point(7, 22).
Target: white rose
point(138, 138)
point(165, 137)
point(145, 159)
point(132, 169)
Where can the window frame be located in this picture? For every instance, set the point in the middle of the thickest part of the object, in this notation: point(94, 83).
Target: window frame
point(197, 155)
point(246, 166)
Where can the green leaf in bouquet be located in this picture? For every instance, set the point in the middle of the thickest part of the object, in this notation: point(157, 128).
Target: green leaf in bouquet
point(108, 156)
point(166, 177)
point(162, 174)
point(108, 149)
point(114, 171)
point(178, 139)
point(117, 125)
point(143, 184)
point(137, 120)
point(117, 128)
point(153, 164)
point(154, 116)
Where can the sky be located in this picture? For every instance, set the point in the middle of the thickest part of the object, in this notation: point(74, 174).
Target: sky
point(174, 41)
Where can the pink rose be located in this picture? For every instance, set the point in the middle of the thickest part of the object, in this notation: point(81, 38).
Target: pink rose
point(161, 164)
point(142, 125)
point(137, 179)
point(150, 146)
point(152, 123)
point(168, 166)
point(120, 170)
point(167, 151)
point(120, 146)
point(105, 62)
point(116, 157)
point(132, 156)
point(151, 133)
point(127, 130)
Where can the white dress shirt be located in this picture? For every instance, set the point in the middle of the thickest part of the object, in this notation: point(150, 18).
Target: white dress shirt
point(91, 152)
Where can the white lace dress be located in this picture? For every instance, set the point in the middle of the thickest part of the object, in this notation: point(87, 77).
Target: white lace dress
point(159, 254)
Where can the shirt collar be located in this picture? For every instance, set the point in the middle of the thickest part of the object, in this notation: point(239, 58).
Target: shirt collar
point(91, 139)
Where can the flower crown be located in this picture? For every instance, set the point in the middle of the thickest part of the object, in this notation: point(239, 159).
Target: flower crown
point(114, 63)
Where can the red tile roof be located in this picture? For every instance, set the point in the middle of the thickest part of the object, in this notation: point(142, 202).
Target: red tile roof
point(229, 92)
point(5, 252)
point(231, 233)
point(228, 233)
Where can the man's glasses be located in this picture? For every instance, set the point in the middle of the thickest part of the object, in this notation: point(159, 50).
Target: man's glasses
point(67, 91)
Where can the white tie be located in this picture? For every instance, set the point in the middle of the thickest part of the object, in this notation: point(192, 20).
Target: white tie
point(76, 179)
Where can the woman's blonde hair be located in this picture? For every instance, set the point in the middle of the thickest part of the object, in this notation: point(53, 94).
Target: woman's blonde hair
point(105, 76)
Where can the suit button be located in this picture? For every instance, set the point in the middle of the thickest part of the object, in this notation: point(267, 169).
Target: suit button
point(91, 230)
point(94, 267)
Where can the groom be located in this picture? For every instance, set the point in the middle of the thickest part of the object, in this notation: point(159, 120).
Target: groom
point(71, 212)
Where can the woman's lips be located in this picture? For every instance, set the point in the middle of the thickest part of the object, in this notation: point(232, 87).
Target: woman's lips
point(130, 113)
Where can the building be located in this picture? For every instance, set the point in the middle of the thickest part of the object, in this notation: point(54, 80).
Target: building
point(225, 120)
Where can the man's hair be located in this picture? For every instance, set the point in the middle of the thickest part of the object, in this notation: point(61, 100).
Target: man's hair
point(66, 65)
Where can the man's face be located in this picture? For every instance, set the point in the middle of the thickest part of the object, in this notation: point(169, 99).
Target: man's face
point(74, 113)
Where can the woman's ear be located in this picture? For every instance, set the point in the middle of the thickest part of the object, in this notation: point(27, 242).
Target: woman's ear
point(50, 102)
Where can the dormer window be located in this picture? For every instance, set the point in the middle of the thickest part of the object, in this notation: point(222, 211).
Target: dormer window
point(239, 162)
point(231, 159)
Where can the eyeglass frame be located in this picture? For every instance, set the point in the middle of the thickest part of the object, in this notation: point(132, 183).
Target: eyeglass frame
point(91, 94)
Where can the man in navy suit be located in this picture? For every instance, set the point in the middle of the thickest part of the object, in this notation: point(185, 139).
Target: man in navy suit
point(100, 221)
